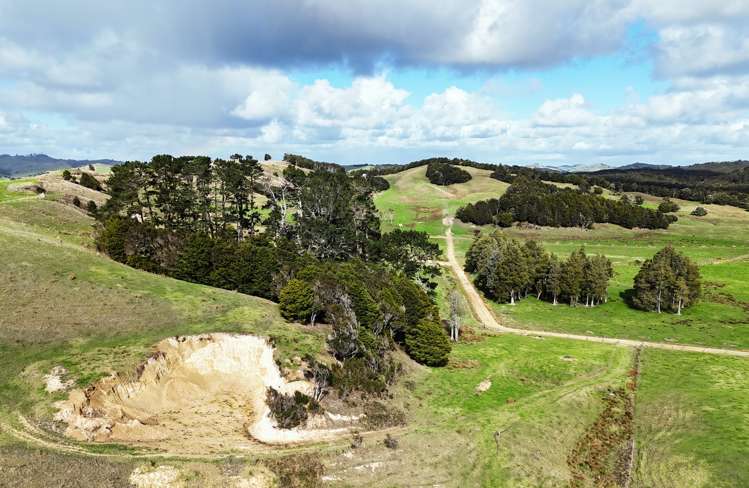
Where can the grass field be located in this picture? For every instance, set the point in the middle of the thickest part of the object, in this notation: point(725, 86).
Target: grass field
point(692, 420)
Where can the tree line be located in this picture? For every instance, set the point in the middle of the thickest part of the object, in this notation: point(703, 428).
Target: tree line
point(506, 271)
point(536, 202)
point(200, 219)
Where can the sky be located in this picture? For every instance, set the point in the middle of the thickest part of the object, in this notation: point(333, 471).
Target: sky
point(544, 82)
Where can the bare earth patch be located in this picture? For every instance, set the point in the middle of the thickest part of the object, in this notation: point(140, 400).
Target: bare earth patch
point(202, 393)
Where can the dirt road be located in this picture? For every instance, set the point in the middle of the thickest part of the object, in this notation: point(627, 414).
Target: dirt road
point(486, 317)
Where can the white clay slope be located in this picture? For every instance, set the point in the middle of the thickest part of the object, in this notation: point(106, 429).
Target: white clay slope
point(206, 392)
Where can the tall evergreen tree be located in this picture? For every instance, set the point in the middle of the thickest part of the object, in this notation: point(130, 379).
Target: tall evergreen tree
point(669, 281)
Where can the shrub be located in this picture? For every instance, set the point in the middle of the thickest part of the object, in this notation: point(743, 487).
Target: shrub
point(297, 301)
point(639, 200)
point(267, 157)
point(427, 343)
point(390, 442)
point(77, 201)
point(378, 183)
point(91, 207)
point(66, 175)
point(699, 212)
point(446, 174)
point(89, 182)
point(290, 411)
point(667, 206)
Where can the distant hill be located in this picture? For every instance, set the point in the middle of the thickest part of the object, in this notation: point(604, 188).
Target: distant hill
point(643, 166)
point(18, 165)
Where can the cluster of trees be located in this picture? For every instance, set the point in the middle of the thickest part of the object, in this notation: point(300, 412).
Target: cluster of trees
point(507, 270)
point(669, 281)
point(370, 309)
point(444, 174)
point(531, 200)
point(389, 169)
point(315, 246)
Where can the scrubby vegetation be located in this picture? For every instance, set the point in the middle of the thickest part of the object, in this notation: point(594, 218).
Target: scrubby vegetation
point(507, 270)
point(667, 206)
point(290, 410)
point(444, 174)
point(699, 212)
point(533, 201)
point(669, 281)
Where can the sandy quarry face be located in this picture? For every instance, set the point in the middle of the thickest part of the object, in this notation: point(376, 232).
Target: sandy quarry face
point(199, 393)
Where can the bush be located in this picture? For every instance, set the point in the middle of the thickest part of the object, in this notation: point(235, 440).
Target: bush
point(91, 207)
point(267, 157)
point(290, 411)
point(77, 202)
point(378, 183)
point(66, 175)
point(699, 212)
point(297, 301)
point(89, 182)
point(639, 200)
point(427, 343)
point(667, 206)
point(446, 174)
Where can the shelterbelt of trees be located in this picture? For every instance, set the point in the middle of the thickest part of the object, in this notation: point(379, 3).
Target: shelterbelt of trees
point(536, 202)
point(315, 245)
point(506, 270)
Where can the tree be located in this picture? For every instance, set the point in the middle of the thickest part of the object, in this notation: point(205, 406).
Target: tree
point(89, 182)
point(669, 281)
point(667, 206)
point(553, 279)
point(91, 207)
point(267, 157)
point(427, 343)
point(573, 273)
point(409, 251)
point(454, 300)
point(66, 175)
point(297, 301)
point(699, 212)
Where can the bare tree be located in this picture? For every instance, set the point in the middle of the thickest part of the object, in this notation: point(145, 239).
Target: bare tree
point(454, 320)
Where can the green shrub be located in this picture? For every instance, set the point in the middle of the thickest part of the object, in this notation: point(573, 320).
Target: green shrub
point(699, 212)
point(66, 175)
point(297, 301)
point(89, 182)
point(91, 207)
point(77, 202)
point(427, 343)
point(667, 206)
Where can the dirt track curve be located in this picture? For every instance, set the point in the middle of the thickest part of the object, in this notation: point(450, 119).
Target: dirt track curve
point(486, 317)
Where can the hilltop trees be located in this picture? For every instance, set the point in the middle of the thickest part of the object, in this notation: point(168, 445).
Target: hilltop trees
point(441, 173)
point(669, 281)
point(507, 271)
point(529, 200)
